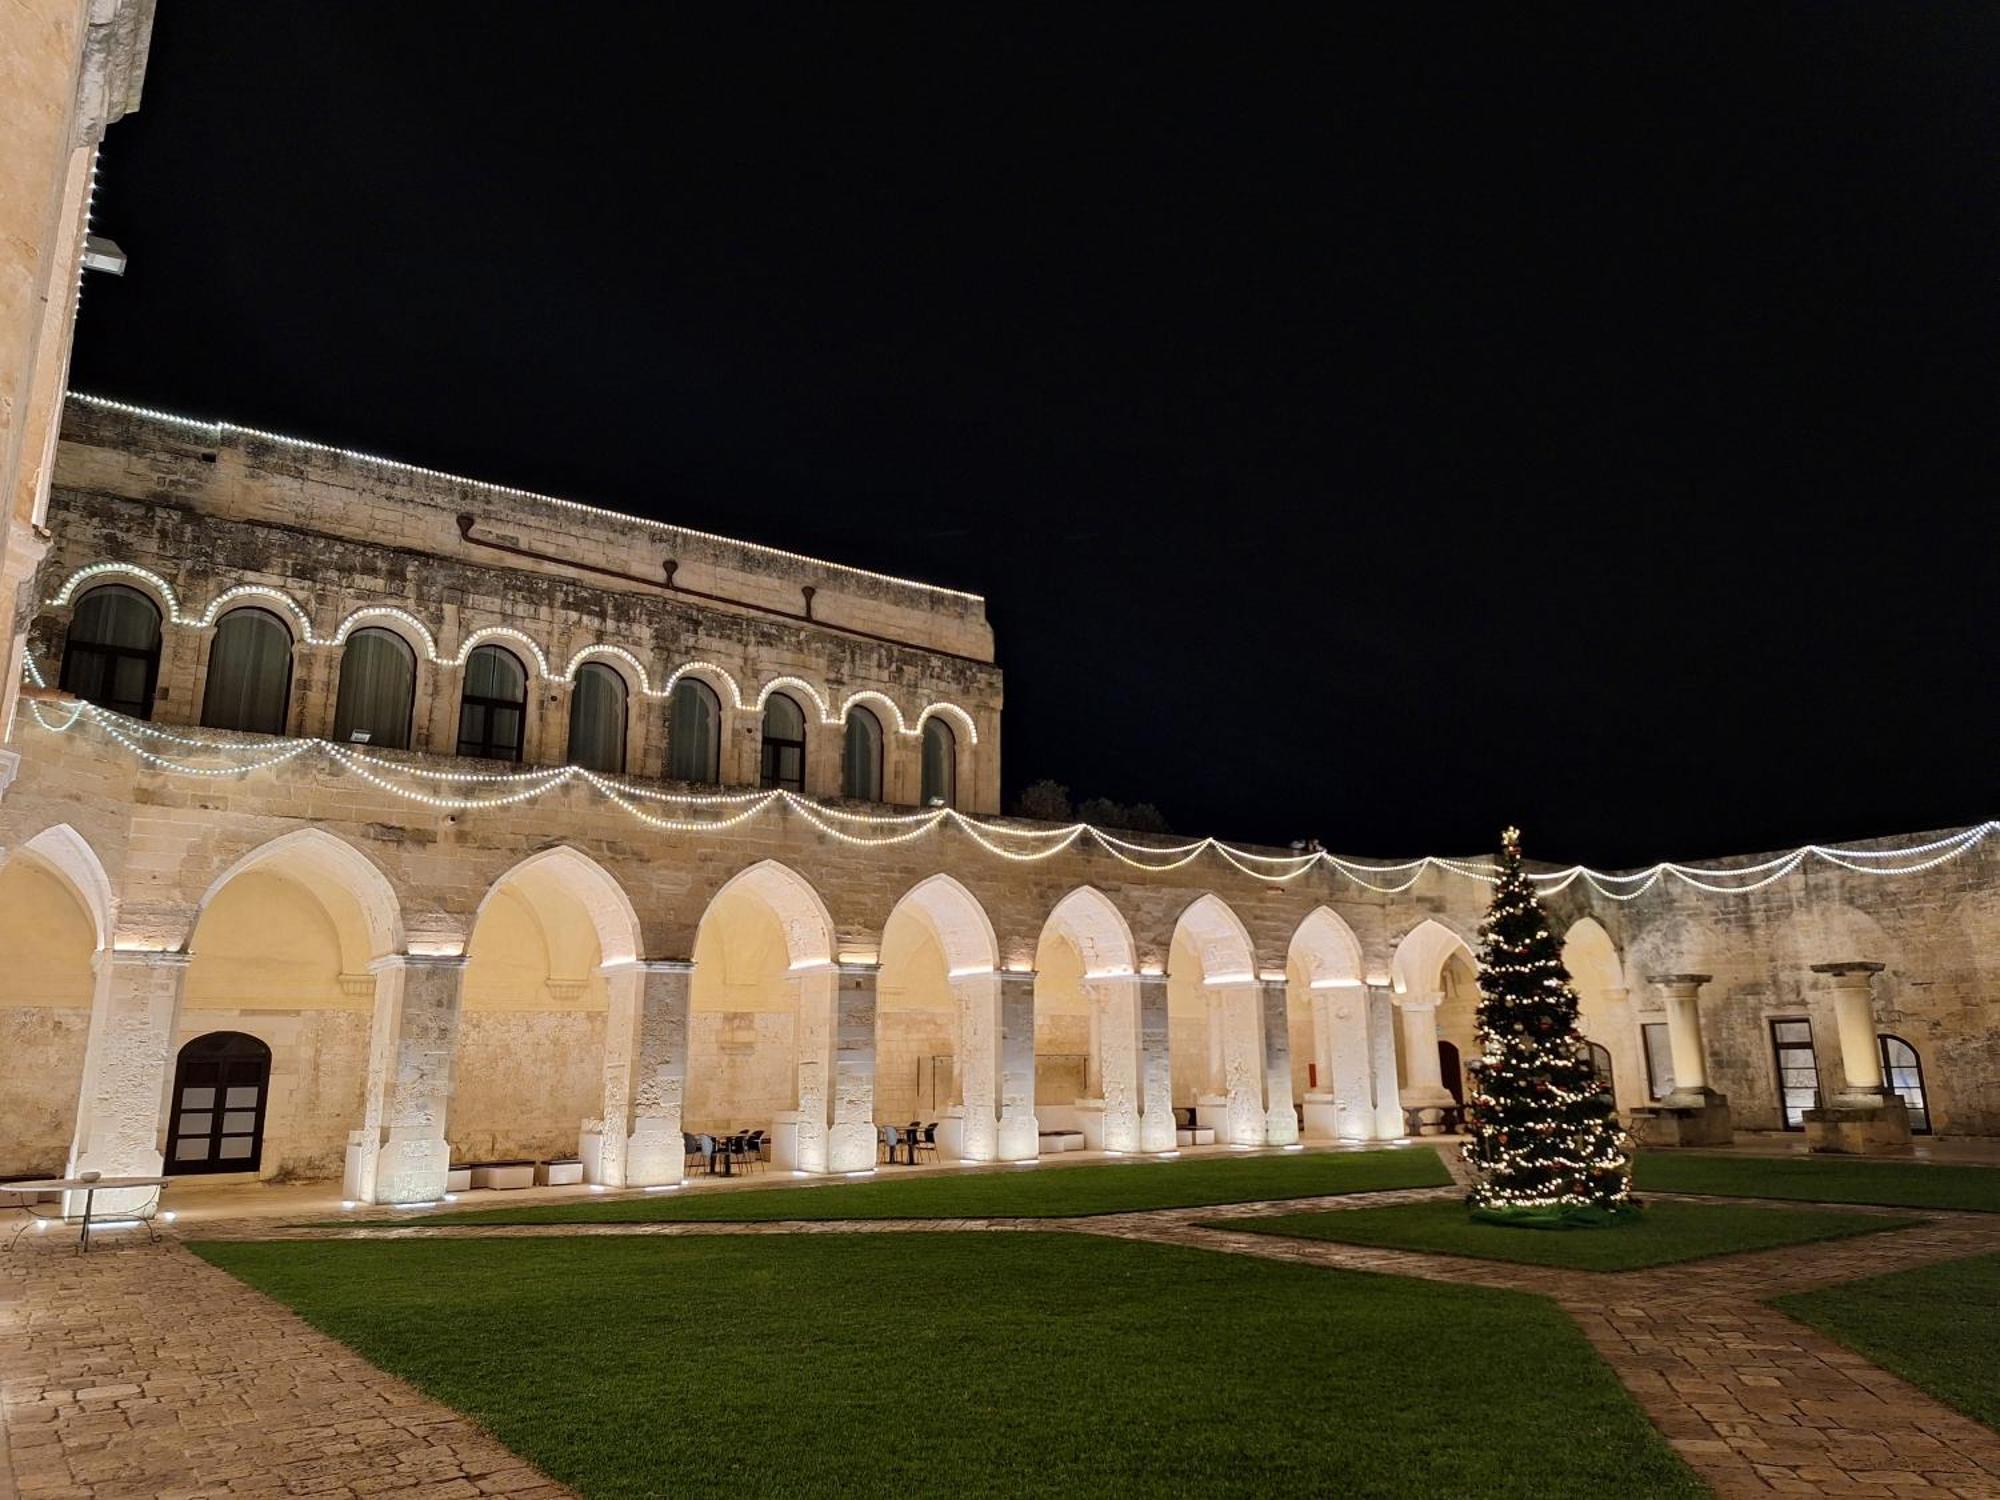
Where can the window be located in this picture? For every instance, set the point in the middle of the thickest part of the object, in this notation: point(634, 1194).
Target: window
point(694, 732)
point(220, 1085)
point(861, 760)
point(597, 718)
point(784, 744)
point(494, 705)
point(1903, 1071)
point(1659, 1059)
point(940, 764)
point(1798, 1070)
point(112, 656)
point(249, 673)
point(378, 687)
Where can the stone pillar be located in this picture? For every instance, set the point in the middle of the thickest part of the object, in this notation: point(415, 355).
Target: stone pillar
point(1420, 1052)
point(1019, 1134)
point(1156, 1078)
point(1093, 1065)
point(1115, 1049)
point(1866, 1115)
point(1693, 1114)
point(979, 1066)
point(1281, 1120)
point(1385, 1096)
point(837, 1068)
point(127, 1064)
point(545, 734)
point(1236, 1038)
point(315, 690)
point(645, 1072)
point(1342, 1107)
point(400, 1154)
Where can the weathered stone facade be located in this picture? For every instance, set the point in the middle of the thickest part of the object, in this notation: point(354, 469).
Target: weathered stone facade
point(448, 967)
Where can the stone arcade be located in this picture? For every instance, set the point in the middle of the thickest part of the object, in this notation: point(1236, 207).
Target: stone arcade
point(369, 818)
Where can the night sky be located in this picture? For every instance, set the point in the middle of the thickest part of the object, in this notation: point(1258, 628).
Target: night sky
point(1378, 429)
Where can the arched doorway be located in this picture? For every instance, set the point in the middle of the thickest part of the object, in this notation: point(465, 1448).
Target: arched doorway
point(1903, 1071)
point(1450, 1071)
point(221, 1083)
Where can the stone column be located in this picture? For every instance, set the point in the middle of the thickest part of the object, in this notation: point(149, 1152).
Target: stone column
point(1155, 1066)
point(1114, 1036)
point(645, 1072)
point(1236, 1036)
point(1341, 1106)
point(127, 1064)
point(400, 1154)
point(1093, 1065)
point(545, 734)
point(315, 690)
point(1420, 1052)
point(1281, 1120)
point(1693, 1114)
point(1385, 1096)
point(972, 1125)
point(1019, 1135)
point(1866, 1115)
point(837, 1068)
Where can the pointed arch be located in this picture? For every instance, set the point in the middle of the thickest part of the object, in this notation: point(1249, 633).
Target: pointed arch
point(1220, 941)
point(1591, 957)
point(563, 876)
point(801, 914)
point(954, 917)
point(1097, 929)
point(1326, 950)
point(67, 855)
point(1418, 966)
point(326, 866)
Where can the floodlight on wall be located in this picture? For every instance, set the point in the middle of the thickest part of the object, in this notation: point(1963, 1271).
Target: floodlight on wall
point(101, 253)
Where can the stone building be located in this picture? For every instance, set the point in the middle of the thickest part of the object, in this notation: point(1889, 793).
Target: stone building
point(370, 818)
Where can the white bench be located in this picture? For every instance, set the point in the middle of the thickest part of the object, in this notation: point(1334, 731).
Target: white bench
point(503, 1174)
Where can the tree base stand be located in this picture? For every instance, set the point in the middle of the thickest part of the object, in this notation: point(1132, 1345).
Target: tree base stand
point(1697, 1117)
point(1858, 1124)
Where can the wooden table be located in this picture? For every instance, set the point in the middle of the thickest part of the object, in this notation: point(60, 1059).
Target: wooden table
point(90, 1187)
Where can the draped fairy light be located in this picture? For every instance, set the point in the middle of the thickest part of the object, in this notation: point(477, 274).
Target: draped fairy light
point(1545, 1144)
point(711, 811)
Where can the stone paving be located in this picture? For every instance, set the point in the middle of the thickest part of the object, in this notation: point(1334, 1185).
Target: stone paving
point(142, 1370)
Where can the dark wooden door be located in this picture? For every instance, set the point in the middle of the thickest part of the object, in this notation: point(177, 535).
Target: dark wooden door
point(222, 1082)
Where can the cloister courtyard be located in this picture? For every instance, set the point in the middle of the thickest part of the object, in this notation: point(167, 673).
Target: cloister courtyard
point(1325, 1320)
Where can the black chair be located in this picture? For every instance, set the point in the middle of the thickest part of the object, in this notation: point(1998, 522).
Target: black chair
point(927, 1142)
point(757, 1145)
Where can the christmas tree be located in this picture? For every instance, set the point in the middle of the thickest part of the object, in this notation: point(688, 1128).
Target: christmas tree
point(1546, 1145)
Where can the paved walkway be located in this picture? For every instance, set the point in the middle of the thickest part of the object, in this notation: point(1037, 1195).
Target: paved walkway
point(144, 1371)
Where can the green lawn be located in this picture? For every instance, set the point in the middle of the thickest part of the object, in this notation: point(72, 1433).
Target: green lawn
point(1021, 1192)
point(1895, 1184)
point(990, 1364)
point(1664, 1233)
point(1933, 1326)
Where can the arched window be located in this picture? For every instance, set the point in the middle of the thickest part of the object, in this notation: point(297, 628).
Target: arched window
point(597, 718)
point(861, 758)
point(249, 673)
point(112, 656)
point(378, 686)
point(494, 705)
point(940, 764)
point(221, 1082)
point(1903, 1071)
point(694, 733)
point(784, 744)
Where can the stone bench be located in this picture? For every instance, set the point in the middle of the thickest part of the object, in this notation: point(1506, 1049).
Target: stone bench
point(502, 1174)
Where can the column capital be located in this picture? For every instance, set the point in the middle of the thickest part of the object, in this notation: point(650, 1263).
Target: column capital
point(1857, 972)
point(152, 958)
point(648, 966)
point(417, 961)
point(848, 969)
point(1428, 1001)
point(1679, 981)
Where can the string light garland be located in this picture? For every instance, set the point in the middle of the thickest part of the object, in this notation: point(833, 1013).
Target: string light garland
point(426, 639)
point(1003, 840)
